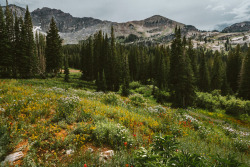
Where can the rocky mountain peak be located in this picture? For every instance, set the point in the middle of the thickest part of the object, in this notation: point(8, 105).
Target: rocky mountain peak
point(66, 23)
point(158, 20)
point(238, 27)
point(48, 11)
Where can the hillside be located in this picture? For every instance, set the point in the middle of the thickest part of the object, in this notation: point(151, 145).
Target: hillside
point(53, 123)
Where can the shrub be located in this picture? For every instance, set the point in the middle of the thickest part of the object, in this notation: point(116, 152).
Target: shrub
point(111, 98)
point(241, 145)
point(206, 101)
point(164, 146)
point(66, 105)
point(157, 109)
point(137, 99)
point(186, 159)
point(112, 134)
point(230, 160)
point(134, 85)
point(144, 90)
point(213, 101)
point(237, 107)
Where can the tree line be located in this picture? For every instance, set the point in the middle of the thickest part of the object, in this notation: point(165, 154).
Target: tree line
point(179, 69)
point(23, 53)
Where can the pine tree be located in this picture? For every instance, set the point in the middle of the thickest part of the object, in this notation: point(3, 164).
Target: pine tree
point(22, 63)
point(66, 70)
point(98, 57)
point(194, 62)
point(225, 88)
point(204, 77)
point(30, 56)
point(181, 74)
point(244, 90)
point(189, 84)
point(3, 44)
point(125, 76)
point(53, 49)
point(40, 52)
point(176, 56)
point(115, 64)
point(176, 69)
point(87, 59)
point(217, 72)
point(101, 82)
point(233, 68)
point(7, 59)
point(17, 50)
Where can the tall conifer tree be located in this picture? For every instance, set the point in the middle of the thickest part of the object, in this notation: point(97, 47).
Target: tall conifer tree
point(3, 44)
point(233, 68)
point(7, 59)
point(217, 72)
point(204, 76)
point(53, 50)
point(244, 90)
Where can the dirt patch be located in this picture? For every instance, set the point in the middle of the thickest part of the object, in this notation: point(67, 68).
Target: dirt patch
point(62, 134)
point(73, 71)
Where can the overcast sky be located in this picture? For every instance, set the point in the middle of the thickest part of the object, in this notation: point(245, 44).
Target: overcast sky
point(204, 14)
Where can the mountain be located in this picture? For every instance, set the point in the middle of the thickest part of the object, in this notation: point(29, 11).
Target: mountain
point(72, 29)
point(16, 9)
point(65, 22)
point(238, 27)
point(153, 30)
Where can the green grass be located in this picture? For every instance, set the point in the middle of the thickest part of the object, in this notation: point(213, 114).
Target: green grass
point(44, 118)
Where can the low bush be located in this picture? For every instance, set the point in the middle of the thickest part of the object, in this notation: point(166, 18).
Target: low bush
point(134, 85)
point(213, 101)
point(111, 98)
point(112, 134)
point(137, 99)
point(66, 106)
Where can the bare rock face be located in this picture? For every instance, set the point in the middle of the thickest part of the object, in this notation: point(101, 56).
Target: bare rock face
point(238, 27)
point(13, 157)
point(65, 22)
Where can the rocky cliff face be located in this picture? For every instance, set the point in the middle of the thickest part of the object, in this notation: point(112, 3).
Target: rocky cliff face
point(65, 22)
point(238, 27)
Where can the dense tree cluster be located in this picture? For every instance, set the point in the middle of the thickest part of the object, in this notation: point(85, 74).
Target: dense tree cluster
point(23, 54)
point(178, 69)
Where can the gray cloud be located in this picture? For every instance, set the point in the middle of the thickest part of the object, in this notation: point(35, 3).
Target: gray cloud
point(202, 14)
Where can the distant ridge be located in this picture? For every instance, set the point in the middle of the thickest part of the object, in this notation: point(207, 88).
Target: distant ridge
point(237, 27)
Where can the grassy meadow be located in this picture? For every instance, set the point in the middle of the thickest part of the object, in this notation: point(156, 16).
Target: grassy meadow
point(55, 123)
